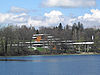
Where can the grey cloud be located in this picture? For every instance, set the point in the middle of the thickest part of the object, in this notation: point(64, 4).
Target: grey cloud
point(69, 3)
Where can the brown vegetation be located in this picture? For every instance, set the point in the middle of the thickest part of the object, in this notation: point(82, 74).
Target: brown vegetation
point(11, 35)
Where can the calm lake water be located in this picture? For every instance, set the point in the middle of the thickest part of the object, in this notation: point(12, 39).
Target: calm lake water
point(51, 65)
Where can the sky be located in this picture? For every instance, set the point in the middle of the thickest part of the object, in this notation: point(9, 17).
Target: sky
point(50, 13)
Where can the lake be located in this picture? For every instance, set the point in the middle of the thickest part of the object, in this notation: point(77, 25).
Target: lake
point(51, 65)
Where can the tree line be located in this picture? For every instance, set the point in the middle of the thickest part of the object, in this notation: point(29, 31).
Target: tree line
point(16, 35)
point(76, 33)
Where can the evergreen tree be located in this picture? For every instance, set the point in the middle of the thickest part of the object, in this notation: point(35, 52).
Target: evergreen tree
point(60, 27)
point(37, 31)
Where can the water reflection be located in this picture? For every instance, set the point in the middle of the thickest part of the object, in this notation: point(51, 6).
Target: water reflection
point(28, 60)
point(51, 65)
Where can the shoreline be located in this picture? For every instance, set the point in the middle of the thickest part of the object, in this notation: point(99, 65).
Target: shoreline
point(82, 53)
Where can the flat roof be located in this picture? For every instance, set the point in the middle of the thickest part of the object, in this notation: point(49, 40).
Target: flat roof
point(77, 43)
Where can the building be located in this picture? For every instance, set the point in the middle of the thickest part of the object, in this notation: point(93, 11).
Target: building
point(50, 42)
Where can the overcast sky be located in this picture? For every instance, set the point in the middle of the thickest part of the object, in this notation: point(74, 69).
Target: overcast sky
point(50, 12)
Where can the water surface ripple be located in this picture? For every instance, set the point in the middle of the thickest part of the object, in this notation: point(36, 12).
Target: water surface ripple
point(51, 65)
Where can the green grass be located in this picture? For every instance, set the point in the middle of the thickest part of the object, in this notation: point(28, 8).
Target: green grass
point(33, 40)
point(39, 49)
